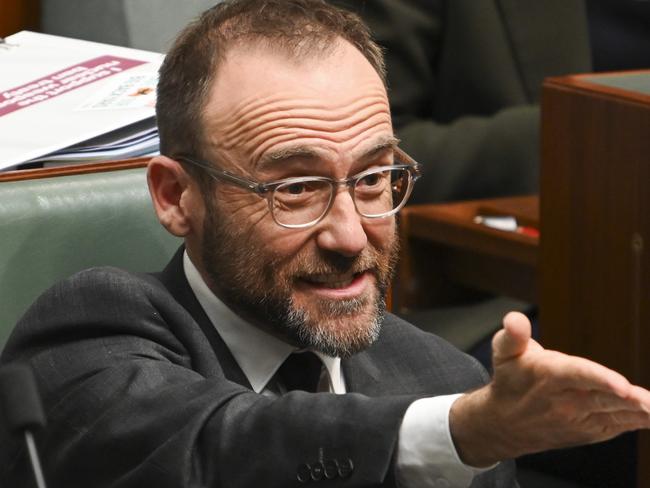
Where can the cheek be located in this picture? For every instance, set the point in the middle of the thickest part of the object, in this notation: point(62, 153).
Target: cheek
point(381, 233)
point(283, 243)
point(246, 211)
point(247, 219)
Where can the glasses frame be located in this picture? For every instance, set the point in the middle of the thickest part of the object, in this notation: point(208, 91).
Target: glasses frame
point(267, 190)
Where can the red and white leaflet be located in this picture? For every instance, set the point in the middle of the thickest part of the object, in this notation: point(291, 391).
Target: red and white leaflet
point(56, 92)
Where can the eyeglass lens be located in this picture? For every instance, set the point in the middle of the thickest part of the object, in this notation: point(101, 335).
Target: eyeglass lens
point(375, 195)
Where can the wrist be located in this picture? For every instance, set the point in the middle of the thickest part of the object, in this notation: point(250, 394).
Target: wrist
point(477, 431)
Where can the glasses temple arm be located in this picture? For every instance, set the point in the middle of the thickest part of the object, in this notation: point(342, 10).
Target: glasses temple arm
point(225, 175)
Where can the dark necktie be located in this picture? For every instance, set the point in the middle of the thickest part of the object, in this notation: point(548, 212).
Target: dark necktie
point(301, 371)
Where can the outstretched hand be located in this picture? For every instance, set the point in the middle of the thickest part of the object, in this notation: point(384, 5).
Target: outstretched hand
point(540, 399)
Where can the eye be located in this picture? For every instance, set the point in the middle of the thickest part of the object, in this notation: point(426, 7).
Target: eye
point(295, 188)
point(370, 180)
point(298, 188)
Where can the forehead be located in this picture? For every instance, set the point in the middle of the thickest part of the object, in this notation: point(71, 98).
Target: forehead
point(264, 101)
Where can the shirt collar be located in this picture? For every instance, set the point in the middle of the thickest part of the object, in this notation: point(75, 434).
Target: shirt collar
point(258, 353)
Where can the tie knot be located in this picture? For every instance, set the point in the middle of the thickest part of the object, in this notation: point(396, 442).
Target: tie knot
point(301, 371)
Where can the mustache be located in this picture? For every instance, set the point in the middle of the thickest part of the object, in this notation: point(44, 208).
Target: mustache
point(328, 262)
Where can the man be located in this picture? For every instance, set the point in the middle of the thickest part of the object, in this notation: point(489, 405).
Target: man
point(281, 172)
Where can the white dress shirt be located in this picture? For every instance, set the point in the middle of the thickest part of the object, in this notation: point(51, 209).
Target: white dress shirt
point(426, 456)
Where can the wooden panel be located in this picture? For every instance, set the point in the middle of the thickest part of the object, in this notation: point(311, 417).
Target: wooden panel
point(453, 224)
point(17, 15)
point(72, 169)
point(445, 254)
point(595, 227)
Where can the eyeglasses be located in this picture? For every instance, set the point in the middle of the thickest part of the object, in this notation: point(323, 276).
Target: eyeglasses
point(304, 201)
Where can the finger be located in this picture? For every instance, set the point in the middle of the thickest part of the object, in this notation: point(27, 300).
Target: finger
point(614, 423)
point(606, 402)
point(513, 339)
point(641, 396)
point(582, 374)
point(595, 401)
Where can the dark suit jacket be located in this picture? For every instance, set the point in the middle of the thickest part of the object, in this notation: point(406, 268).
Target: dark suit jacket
point(464, 82)
point(140, 390)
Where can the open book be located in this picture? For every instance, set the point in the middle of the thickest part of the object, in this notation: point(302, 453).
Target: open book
point(57, 92)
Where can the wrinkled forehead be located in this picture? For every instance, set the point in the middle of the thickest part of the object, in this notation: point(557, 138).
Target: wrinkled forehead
point(250, 69)
point(262, 97)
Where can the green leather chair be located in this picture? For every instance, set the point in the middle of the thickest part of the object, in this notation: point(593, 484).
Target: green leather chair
point(54, 226)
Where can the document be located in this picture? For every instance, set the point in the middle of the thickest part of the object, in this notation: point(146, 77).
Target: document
point(57, 92)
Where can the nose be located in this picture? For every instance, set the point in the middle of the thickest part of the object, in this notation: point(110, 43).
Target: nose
point(341, 230)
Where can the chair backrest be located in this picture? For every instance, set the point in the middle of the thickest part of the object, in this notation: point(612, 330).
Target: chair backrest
point(143, 24)
point(54, 226)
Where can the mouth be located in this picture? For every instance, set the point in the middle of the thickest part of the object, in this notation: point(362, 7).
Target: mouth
point(331, 280)
point(337, 285)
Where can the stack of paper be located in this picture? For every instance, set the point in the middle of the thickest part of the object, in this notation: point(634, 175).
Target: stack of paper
point(67, 100)
point(135, 140)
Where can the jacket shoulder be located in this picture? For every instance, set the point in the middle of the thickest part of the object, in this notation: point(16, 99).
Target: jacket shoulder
point(96, 301)
point(428, 357)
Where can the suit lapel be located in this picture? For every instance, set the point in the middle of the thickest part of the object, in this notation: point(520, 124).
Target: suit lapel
point(548, 38)
point(361, 374)
point(173, 277)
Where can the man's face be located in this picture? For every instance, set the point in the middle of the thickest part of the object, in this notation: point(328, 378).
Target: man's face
point(271, 118)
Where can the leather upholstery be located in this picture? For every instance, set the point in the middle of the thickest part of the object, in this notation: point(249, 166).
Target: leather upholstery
point(143, 24)
point(52, 227)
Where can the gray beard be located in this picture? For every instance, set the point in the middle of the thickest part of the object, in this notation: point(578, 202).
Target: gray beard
point(308, 334)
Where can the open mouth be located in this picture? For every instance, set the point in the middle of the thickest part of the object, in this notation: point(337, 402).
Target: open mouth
point(334, 280)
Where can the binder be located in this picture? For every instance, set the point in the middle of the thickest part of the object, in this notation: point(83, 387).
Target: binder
point(57, 92)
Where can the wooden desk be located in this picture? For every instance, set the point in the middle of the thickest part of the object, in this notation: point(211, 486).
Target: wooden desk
point(73, 169)
point(595, 216)
point(444, 252)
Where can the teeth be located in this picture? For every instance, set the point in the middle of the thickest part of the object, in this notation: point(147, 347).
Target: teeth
point(339, 284)
point(332, 281)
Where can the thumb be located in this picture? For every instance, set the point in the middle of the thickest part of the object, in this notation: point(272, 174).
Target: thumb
point(513, 339)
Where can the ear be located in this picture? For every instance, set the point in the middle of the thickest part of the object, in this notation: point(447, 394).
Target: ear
point(172, 192)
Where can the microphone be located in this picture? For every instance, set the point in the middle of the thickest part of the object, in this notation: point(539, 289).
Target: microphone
point(22, 409)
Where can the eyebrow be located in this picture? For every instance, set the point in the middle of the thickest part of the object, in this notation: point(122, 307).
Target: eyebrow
point(390, 142)
point(309, 153)
point(283, 155)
